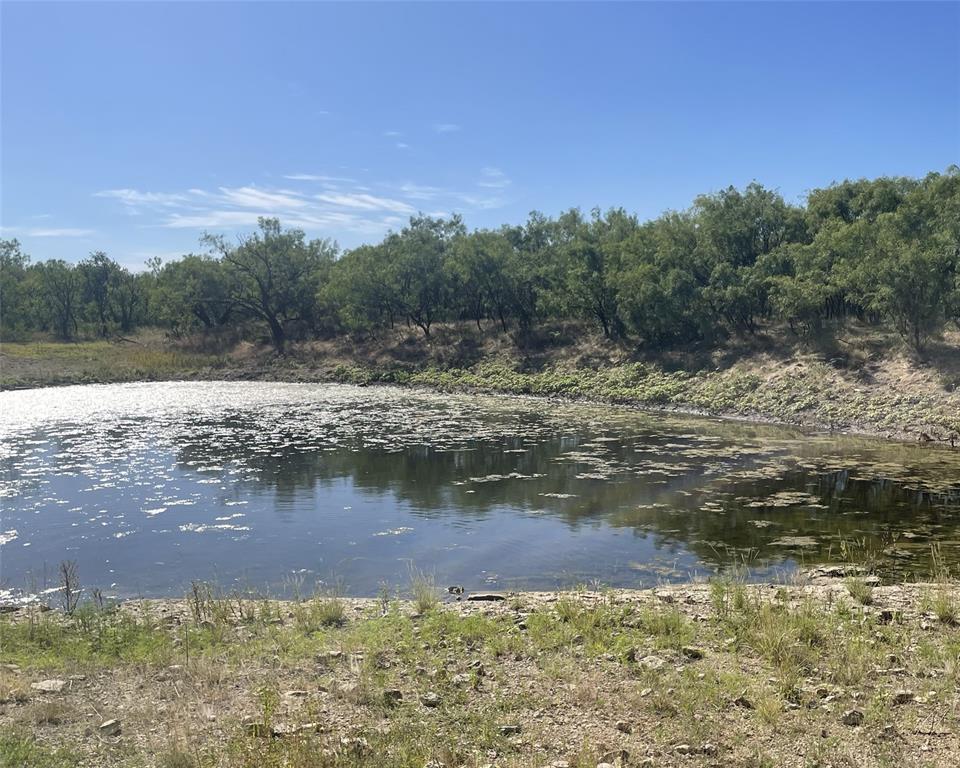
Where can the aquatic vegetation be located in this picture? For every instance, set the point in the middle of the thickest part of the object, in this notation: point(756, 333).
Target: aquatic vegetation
point(250, 482)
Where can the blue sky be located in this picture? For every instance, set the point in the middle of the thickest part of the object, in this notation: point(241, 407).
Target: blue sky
point(135, 127)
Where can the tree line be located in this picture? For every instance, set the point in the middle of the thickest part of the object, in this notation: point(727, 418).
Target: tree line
point(885, 252)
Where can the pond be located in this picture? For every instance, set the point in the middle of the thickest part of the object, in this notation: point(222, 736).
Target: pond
point(280, 488)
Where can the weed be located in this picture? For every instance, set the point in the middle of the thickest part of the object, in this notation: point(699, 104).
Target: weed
point(860, 590)
point(423, 586)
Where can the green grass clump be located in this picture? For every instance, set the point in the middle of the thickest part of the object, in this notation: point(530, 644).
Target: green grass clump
point(18, 750)
point(90, 636)
point(860, 590)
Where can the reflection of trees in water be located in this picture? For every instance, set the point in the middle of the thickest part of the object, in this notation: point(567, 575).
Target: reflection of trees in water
point(674, 508)
point(471, 481)
point(866, 515)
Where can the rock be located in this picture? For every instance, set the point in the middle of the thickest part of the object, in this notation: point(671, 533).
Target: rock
point(357, 745)
point(624, 727)
point(903, 697)
point(605, 765)
point(7, 608)
point(692, 652)
point(392, 697)
point(653, 663)
point(49, 686)
point(110, 728)
point(509, 730)
point(455, 590)
point(835, 571)
point(852, 717)
point(430, 699)
point(296, 694)
point(683, 749)
point(617, 758)
point(708, 749)
point(486, 597)
point(14, 668)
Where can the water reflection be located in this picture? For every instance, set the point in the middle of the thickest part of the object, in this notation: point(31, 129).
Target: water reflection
point(148, 486)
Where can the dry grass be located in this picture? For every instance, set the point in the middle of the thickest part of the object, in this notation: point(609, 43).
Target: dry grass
point(719, 674)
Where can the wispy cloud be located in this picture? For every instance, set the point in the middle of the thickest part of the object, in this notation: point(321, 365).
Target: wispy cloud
point(493, 178)
point(445, 127)
point(60, 232)
point(339, 209)
point(319, 177)
point(402, 145)
point(367, 203)
point(392, 133)
point(419, 191)
point(135, 199)
point(272, 202)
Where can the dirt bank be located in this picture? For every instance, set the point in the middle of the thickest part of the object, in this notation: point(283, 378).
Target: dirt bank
point(832, 671)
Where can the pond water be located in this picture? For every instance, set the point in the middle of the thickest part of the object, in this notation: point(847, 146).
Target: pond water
point(280, 487)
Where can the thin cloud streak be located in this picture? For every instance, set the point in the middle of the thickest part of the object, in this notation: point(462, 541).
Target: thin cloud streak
point(48, 231)
point(345, 207)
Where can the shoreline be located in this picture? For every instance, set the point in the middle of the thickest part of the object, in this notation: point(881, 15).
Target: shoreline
point(841, 671)
point(364, 377)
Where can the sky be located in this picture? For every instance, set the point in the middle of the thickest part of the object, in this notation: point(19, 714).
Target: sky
point(135, 127)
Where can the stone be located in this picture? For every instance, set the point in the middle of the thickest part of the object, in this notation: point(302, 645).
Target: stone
point(110, 728)
point(49, 686)
point(624, 727)
point(509, 730)
point(295, 694)
point(683, 749)
point(852, 717)
point(456, 589)
point(430, 699)
point(349, 690)
point(356, 744)
point(392, 697)
point(692, 652)
point(486, 597)
point(903, 697)
point(653, 663)
point(618, 758)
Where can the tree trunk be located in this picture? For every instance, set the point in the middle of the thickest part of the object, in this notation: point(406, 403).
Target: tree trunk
point(277, 334)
